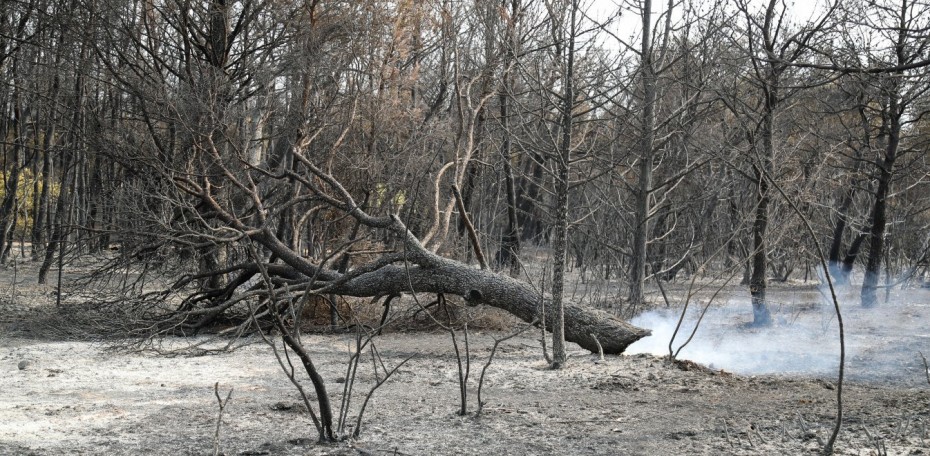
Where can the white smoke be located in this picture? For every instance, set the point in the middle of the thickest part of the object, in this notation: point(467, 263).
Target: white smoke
point(882, 344)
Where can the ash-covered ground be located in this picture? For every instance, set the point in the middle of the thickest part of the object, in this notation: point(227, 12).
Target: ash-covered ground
point(762, 392)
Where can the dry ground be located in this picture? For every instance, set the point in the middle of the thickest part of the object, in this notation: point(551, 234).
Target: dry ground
point(77, 397)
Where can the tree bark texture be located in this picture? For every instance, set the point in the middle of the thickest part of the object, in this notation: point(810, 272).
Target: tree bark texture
point(560, 231)
point(646, 159)
point(496, 290)
point(766, 151)
point(879, 213)
point(895, 111)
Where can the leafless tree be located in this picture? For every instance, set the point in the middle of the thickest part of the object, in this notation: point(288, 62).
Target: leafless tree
point(902, 24)
point(771, 46)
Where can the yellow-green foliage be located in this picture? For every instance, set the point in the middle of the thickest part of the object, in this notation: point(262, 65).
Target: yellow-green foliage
point(25, 191)
point(381, 195)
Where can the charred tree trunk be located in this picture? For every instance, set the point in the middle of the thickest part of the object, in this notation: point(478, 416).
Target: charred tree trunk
point(763, 169)
point(11, 172)
point(757, 278)
point(896, 107)
point(560, 228)
point(879, 213)
point(646, 162)
point(41, 221)
point(836, 244)
point(528, 199)
point(58, 229)
point(841, 268)
point(441, 275)
point(849, 260)
point(509, 254)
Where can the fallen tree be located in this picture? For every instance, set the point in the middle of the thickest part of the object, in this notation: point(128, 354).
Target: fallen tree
point(410, 268)
point(501, 291)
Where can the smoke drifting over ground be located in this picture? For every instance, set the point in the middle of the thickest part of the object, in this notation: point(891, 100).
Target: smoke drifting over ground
point(882, 344)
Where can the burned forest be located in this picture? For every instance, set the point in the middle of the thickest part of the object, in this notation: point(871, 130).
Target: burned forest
point(465, 227)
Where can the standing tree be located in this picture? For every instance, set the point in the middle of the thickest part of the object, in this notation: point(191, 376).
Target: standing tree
point(642, 209)
point(509, 254)
point(564, 38)
point(771, 47)
point(903, 83)
point(669, 104)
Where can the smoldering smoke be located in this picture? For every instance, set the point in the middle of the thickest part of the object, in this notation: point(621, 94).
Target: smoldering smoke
point(882, 346)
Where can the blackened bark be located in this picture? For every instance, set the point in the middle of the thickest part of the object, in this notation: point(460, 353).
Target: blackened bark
point(895, 111)
point(836, 244)
point(757, 278)
point(840, 269)
point(879, 214)
point(427, 272)
point(57, 236)
point(852, 254)
point(319, 386)
point(11, 170)
point(41, 222)
point(763, 170)
point(509, 254)
point(646, 162)
point(496, 290)
point(527, 200)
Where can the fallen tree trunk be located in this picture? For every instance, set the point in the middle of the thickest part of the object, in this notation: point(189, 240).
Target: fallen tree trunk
point(426, 272)
point(416, 269)
point(440, 275)
point(483, 287)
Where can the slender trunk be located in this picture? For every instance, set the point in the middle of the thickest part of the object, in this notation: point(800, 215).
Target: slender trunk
point(849, 260)
point(646, 162)
point(11, 176)
point(40, 224)
point(36, 191)
point(840, 268)
point(758, 277)
point(527, 200)
point(319, 386)
point(80, 210)
point(510, 241)
point(95, 210)
point(509, 254)
point(58, 225)
point(468, 189)
point(560, 237)
point(836, 244)
point(41, 187)
point(560, 240)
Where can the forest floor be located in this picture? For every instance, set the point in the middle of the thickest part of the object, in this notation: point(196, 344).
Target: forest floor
point(70, 395)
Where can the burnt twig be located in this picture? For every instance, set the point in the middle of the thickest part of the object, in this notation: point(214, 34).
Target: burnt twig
point(219, 417)
point(926, 366)
point(484, 370)
point(472, 234)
